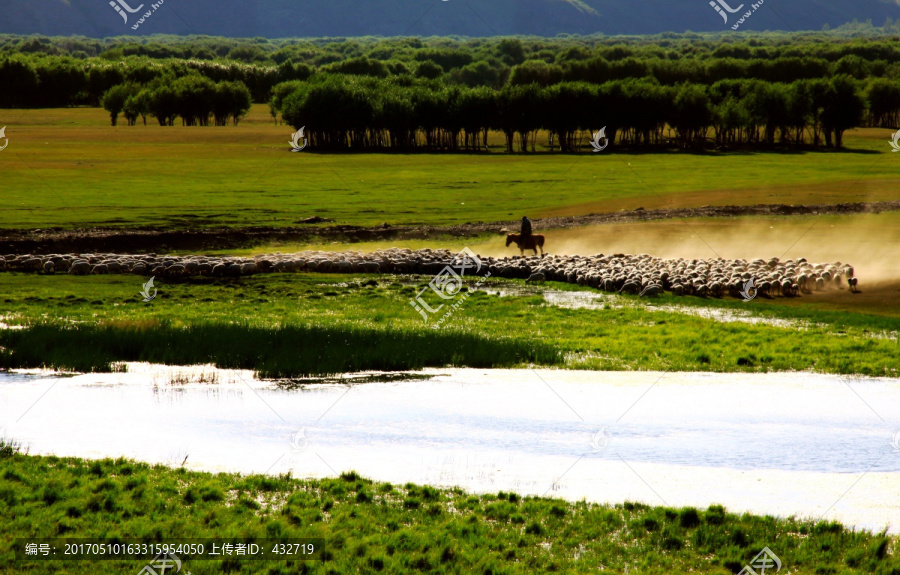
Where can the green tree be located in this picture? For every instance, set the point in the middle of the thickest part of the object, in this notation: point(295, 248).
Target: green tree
point(536, 72)
point(481, 73)
point(361, 66)
point(162, 103)
point(279, 93)
point(113, 101)
point(478, 108)
point(565, 106)
point(511, 51)
point(101, 79)
point(883, 96)
point(137, 104)
point(845, 108)
point(195, 96)
point(247, 54)
point(429, 69)
point(232, 99)
point(691, 114)
point(24, 77)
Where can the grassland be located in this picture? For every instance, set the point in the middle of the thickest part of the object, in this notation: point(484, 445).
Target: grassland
point(296, 324)
point(68, 168)
point(370, 527)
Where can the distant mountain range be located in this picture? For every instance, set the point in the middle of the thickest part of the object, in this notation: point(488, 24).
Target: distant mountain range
point(317, 18)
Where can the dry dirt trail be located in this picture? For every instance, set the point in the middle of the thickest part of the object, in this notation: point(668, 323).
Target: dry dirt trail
point(130, 240)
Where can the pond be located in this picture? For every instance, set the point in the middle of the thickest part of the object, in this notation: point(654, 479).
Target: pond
point(783, 444)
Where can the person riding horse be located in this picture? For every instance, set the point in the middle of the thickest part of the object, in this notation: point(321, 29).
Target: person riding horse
point(526, 240)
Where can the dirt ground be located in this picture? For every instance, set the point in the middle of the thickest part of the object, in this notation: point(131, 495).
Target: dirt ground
point(316, 230)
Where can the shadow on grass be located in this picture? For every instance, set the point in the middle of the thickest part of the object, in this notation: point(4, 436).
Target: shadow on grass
point(280, 352)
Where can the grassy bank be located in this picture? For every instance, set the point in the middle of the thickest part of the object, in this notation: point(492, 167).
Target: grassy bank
point(275, 352)
point(294, 324)
point(69, 168)
point(370, 527)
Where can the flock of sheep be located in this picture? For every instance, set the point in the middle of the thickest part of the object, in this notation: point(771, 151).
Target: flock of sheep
point(647, 275)
point(623, 273)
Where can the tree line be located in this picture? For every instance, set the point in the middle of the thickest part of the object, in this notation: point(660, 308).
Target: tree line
point(78, 71)
point(194, 98)
point(43, 82)
point(854, 38)
point(341, 112)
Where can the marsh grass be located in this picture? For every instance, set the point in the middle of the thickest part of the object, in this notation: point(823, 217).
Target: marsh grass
point(371, 527)
point(10, 447)
point(279, 324)
point(181, 377)
point(272, 352)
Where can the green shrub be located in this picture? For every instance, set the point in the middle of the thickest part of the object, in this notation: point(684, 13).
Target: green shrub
point(534, 528)
point(689, 518)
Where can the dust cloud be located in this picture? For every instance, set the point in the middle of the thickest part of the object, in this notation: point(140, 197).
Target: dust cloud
point(869, 242)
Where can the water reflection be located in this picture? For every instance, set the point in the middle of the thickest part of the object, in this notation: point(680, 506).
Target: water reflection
point(770, 443)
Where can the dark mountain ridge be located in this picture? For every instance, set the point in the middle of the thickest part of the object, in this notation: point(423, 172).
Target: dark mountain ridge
point(318, 18)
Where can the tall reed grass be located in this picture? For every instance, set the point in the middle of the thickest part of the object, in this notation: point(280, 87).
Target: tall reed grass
point(273, 352)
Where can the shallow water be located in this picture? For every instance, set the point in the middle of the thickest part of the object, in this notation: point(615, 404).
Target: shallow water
point(768, 443)
point(594, 300)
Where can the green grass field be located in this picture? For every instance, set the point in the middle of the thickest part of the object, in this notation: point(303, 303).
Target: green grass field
point(300, 324)
point(69, 168)
point(369, 527)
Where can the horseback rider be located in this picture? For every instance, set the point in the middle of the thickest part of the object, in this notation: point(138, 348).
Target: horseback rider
point(525, 239)
point(526, 228)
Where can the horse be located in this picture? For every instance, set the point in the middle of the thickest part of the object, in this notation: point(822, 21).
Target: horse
point(532, 242)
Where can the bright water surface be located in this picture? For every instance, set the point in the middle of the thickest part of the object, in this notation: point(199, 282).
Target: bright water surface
point(768, 443)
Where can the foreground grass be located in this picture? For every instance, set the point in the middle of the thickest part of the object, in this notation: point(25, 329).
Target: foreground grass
point(296, 324)
point(69, 168)
point(276, 352)
point(370, 527)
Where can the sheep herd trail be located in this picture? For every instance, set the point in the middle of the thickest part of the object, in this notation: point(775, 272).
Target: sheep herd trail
point(640, 274)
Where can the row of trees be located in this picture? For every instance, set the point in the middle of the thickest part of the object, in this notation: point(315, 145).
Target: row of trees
point(374, 114)
point(44, 81)
point(55, 82)
point(194, 98)
point(860, 39)
point(45, 75)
